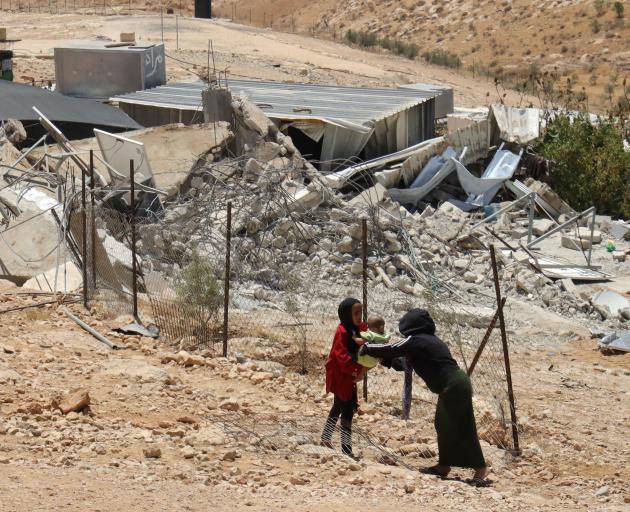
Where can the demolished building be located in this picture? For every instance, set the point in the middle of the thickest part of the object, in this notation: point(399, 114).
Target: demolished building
point(333, 125)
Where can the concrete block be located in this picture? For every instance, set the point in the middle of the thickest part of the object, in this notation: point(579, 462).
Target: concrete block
point(370, 197)
point(620, 230)
point(127, 37)
point(574, 243)
point(541, 226)
point(69, 278)
point(619, 256)
point(585, 234)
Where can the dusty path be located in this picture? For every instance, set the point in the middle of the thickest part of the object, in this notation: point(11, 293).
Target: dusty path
point(573, 402)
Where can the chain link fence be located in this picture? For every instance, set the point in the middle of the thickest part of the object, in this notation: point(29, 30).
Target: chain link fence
point(296, 251)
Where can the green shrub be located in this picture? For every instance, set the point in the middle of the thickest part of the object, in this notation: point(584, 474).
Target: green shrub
point(589, 164)
point(365, 39)
point(197, 286)
point(619, 9)
point(600, 7)
point(442, 58)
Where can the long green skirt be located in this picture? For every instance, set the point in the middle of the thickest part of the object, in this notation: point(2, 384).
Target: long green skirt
point(458, 443)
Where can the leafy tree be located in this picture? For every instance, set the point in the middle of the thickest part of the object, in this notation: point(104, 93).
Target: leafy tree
point(619, 9)
point(589, 164)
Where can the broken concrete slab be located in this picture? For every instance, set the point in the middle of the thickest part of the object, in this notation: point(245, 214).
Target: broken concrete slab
point(65, 278)
point(572, 242)
point(620, 230)
point(550, 197)
point(611, 300)
point(541, 226)
point(585, 234)
point(370, 197)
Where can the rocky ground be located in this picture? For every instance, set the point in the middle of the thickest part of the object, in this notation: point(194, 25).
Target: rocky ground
point(173, 431)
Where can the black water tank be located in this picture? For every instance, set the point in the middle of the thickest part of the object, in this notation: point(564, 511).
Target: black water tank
point(203, 8)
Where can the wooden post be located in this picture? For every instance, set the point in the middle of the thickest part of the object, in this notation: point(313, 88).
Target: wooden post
point(364, 246)
point(485, 339)
point(506, 354)
point(226, 288)
point(134, 270)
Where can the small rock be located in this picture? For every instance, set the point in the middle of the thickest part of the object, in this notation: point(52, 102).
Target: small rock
point(230, 456)
point(152, 452)
point(298, 480)
point(189, 420)
point(188, 452)
point(229, 405)
point(34, 408)
point(602, 491)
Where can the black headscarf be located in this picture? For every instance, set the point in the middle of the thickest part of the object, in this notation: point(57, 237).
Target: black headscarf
point(416, 321)
point(345, 316)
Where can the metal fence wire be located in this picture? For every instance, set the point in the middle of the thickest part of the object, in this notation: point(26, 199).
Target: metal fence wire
point(296, 250)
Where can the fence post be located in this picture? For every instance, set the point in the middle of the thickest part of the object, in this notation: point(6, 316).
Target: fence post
point(364, 247)
point(84, 244)
point(506, 354)
point(134, 269)
point(93, 221)
point(485, 339)
point(226, 289)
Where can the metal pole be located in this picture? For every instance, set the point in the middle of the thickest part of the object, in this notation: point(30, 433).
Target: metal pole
point(506, 354)
point(364, 245)
point(162, 19)
point(93, 221)
point(226, 290)
point(134, 272)
point(561, 226)
point(177, 31)
point(530, 224)
point(485, 339)
point(84, 244)
point(590, 245)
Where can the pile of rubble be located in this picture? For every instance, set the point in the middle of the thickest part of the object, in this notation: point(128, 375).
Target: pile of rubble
point(294, 229)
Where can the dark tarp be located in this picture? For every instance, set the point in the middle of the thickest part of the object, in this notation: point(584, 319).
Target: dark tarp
point(76, 118)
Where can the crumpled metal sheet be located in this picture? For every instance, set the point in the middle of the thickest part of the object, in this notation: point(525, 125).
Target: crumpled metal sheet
point(520, 125)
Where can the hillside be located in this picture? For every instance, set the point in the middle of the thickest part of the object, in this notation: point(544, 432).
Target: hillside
point(577, 39)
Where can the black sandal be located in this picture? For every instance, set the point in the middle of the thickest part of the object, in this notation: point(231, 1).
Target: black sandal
point(479, 482)
point(432, 471)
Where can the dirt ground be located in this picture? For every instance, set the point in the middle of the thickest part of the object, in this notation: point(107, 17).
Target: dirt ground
point(244, 51)
point(573, 406)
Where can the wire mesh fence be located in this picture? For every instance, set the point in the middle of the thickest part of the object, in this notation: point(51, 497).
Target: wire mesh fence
point(290, 264)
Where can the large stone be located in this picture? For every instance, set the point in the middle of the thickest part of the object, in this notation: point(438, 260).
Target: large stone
point(267, 151)
point(541, 226)
point(370, 197)
point(75, 401)
point(152, 452)
point(346, 245)
point(68, 278)
point(585, 234)
point(574, 243)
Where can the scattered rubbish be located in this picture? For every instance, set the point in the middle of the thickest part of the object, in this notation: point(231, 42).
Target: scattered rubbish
point(610, 246)
point(149, 331)
point(93, 332)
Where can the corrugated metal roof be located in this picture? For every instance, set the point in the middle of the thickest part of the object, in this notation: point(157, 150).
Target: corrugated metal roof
point(17, 102)
point(331, 103)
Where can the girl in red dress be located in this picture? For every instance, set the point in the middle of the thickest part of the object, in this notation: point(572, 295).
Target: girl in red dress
point(343, 372)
